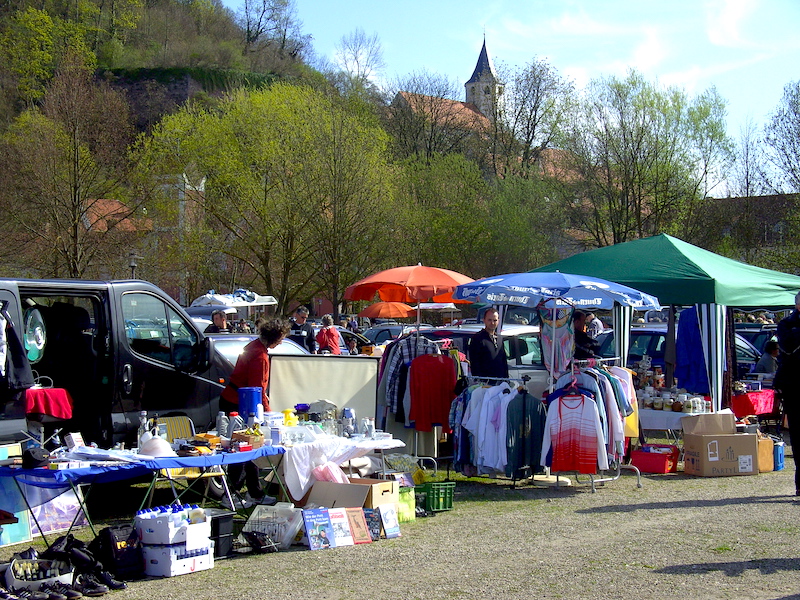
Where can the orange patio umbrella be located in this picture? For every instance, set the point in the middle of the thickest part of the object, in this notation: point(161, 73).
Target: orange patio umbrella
point(388, 310)
point(414, 283)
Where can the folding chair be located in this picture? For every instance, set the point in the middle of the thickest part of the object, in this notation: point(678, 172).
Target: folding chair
point(182, 427)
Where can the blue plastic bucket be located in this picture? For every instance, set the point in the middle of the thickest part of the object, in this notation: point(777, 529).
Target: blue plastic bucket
point(249, 401)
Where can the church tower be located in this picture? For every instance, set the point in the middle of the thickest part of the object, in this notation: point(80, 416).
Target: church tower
point(483, 89)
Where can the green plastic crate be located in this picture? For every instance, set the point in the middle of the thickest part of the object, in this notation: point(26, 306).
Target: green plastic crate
point(438, 495)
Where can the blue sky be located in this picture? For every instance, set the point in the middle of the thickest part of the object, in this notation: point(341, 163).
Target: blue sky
point(748, 49)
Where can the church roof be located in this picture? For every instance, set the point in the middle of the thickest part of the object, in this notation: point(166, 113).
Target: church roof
point(445, 111)
point(484, 65)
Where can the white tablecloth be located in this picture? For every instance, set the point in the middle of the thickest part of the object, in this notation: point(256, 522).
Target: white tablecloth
point(301, 459)
point(662, 419)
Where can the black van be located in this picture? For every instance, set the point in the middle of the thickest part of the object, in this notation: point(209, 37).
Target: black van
point(117, 347)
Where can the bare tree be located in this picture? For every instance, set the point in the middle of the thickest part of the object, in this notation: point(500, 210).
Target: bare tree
point(783, 138)
point(360, 55)
point(531, 112)
point(70, 161)
point(424, 119)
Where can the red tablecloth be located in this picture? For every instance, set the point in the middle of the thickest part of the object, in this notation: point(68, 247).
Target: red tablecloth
point(753, 403)
point(55, 402)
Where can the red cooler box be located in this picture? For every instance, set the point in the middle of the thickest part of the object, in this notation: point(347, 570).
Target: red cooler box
point(656, 458)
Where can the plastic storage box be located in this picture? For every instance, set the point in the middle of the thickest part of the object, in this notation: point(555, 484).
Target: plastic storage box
point(281, 523)
point(17, 565)
point(656, 458)
point(221, 530)
point(163, 531)
point(438, 495)
point(170, 561)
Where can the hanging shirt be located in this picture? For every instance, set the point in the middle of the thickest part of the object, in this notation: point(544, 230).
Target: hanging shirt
point(574, 433)
point(432, 380)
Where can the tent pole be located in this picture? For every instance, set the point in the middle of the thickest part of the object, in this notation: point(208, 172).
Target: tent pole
point(669, 350)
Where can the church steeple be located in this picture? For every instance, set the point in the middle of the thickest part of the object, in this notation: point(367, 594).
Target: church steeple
point(483, 89)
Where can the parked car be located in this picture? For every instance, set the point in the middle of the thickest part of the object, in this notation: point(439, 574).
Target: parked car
point(757, 335)
point(117, 347)
point(652, 341)
point(230, 345)
point(380, 334)
point(344, 335)
point(521, 342)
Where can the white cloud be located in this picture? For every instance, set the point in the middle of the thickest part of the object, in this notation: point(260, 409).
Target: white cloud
point(725, 20)
point(650, 52)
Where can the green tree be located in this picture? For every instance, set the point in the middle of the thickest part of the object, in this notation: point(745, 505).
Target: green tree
point(294, 186)
point(445, 214)
point(33, 45)
point(64, 162)
point(640, 160)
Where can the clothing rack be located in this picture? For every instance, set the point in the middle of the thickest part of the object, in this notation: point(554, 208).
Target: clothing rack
point(523, 381)
point(615, 472)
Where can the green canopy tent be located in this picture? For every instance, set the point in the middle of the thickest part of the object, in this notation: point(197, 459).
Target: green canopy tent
point(682, 274)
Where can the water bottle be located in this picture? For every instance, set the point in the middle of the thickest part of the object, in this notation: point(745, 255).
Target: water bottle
point(236, 423)
point(142, 428)
point(222, 423)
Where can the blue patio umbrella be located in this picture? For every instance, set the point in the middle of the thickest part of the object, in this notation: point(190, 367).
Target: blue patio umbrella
point(554, 290)
point(532, 289)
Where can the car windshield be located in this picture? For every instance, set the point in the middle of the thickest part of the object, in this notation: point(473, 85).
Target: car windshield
point(232, 347)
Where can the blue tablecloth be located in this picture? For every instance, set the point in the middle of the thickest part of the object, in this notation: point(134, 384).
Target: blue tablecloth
point(58, 482)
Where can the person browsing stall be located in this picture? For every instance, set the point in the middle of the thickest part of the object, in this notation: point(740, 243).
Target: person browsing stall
point(487, 356)
point(594, 326)
point(787, 378)
point(585, 345)
point(252, 370)
point(219, 322)
point(301, 330)
point(328, 336)
point(768, 363)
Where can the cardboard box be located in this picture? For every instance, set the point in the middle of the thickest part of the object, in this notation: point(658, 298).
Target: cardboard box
point(337, 495)
point(380, 491)
point(369, 493)
point(766, 455)
point(255, 441)
point(711, 448)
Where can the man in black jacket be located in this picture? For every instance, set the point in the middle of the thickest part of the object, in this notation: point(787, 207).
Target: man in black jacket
point(301, 331)
point(787, 379)
point(487, 356)
point(585, 345)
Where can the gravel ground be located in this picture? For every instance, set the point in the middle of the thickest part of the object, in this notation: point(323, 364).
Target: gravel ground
point(676, 537)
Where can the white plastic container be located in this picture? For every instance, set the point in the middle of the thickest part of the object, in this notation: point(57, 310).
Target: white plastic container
point(12, 582)
point(162, 530)
point(170, 561)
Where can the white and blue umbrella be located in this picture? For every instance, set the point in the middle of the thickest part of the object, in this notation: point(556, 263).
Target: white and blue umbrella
point(532, 289)
point(578, 291)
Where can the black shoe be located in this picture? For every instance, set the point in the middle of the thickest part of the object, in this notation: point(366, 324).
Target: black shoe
point(108, 580)
point(29, 554)
point(87, 584)
point(26, 594)
point(65, 590)
point(51, 593)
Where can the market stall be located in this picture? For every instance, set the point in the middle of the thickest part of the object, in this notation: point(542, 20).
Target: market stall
point(681, 274)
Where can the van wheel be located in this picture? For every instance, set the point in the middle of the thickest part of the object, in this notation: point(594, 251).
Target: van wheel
point(215, 489)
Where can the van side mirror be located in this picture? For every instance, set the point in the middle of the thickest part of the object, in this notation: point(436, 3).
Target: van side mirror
point(205, 351)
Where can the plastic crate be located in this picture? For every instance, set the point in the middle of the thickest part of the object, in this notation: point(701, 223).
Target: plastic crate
point(656, 458)
point(438, 495)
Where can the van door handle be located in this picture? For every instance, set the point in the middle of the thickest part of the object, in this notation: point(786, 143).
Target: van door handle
point(127, 378)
